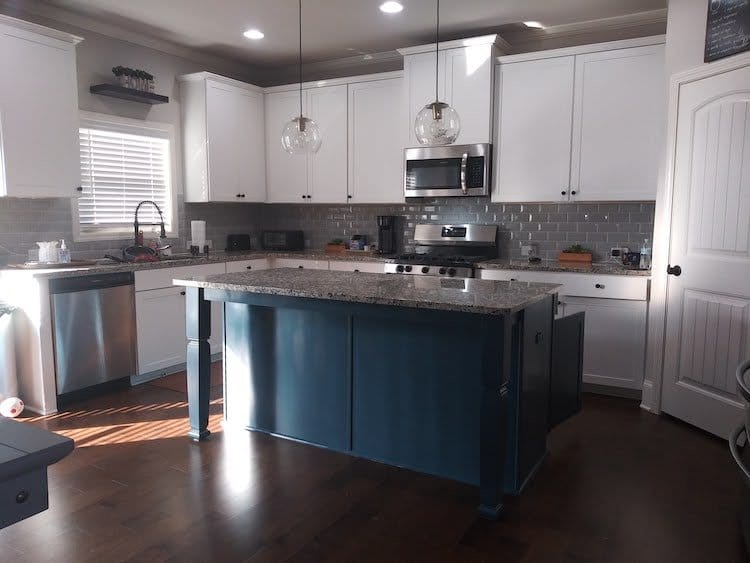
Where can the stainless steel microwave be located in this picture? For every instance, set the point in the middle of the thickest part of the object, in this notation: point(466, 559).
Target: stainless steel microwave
point(447, 171)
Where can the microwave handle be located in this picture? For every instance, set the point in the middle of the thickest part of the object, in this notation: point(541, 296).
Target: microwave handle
point(464, 161)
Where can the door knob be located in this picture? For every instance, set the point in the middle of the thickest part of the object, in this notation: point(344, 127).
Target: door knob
point(674, 270)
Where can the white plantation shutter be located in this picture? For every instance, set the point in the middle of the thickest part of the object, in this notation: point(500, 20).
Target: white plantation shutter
point(119, 169)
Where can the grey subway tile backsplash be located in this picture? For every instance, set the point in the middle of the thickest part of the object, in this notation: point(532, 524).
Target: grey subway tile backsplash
point(551, 226)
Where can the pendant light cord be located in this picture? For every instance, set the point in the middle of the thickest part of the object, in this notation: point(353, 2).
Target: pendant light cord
point(437, 52)
point(300, 61)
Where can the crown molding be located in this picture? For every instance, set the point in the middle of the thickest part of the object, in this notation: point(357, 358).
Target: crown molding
point(583, 49)
point(201, 76)
point(334, 82)
point(40, 29)
point(52, 15)
point(492, 39)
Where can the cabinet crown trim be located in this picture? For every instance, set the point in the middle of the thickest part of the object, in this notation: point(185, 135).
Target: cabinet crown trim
point(40, 29)
point(492, 39)
point(583, 49)
point(335, 82)
point(200, 76)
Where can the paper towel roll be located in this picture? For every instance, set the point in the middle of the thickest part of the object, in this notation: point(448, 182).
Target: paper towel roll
point(198, 233)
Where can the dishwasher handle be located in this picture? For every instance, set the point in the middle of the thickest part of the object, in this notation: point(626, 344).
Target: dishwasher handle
point(91, 282)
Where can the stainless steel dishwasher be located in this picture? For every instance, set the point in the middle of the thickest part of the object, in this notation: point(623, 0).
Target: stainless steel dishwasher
point(93, 325)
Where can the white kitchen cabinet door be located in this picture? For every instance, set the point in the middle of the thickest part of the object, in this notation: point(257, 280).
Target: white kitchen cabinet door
point(39, 154)
point(619, 124)
point(160, 322)
point(354, 266)
point(614, 340)
point(419, 87)
point(468, 89)
point(327, 168)
point(247, 265)
point(236, 143)
point(286, 174)
point(532, 153)
point(375, 149)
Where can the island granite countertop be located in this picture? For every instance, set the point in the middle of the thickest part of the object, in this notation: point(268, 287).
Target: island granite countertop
point(486, 297)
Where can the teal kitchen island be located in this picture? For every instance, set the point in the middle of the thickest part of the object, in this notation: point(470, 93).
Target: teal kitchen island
point(439, 375)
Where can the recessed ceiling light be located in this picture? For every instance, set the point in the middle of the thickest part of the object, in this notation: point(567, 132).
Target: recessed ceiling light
point(254, 34)
point(534, 25)
point(391, 7)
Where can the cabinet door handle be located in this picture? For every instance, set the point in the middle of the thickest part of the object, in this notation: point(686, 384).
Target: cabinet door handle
point(348, 196)
point(249, 267)
point(182, 293)
point(301, 267)
point(79, 189)
point(599, 286)
point(564, 192)
point(538, 337)
point(573, 192)
point(356, 270)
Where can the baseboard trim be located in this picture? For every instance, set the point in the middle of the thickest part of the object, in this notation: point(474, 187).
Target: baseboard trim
point(622, 392)
point(159, 373)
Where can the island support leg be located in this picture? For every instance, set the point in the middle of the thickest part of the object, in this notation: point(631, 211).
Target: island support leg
point(198, 326)
point(497, 363)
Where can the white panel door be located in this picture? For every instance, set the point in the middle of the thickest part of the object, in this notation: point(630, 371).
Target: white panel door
point(224, 132)
point(532, 154)
point(327, 168)
point(160, 322)
point(614, 348)
point(419, 76)
point(38, 116)
point(376, 158)
point(468, 88)
point(286, 174)
point(619, 124)
point(252, 141)
point(708, 305)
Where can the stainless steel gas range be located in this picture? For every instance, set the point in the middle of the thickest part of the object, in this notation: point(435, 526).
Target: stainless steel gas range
point(450, 251)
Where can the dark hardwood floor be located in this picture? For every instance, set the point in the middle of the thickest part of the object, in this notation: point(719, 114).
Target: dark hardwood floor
point(619, 485)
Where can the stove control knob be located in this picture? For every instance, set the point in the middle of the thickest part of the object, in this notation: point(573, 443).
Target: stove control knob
point(408, 268)
point(425, 269)
point(399, 269)
point(442, 271)
point(451, 271)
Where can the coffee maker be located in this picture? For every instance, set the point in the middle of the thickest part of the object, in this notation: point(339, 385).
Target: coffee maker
point(387, 234)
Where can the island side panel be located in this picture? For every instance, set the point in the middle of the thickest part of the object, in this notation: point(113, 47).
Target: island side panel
point(287, 372)
point(416, 391)
point(198, 330)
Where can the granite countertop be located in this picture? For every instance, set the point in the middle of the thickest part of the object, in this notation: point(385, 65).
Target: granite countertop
point(212, 258)
point(608, 268)
point(484, 297)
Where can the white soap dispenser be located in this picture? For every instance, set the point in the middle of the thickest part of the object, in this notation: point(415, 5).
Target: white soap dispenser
point(63, 254)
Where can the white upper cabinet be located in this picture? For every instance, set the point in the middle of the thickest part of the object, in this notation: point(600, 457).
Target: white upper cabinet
point(327, 168)
point(581, 126)
point(532, 155)
point(39, 154)
point(619, 126)
point(286, 174)
point(375, 142)
point(314, 178)
point(224, 141)
point(465, 79)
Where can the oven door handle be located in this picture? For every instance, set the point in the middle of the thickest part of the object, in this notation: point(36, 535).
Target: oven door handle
point(464, 161)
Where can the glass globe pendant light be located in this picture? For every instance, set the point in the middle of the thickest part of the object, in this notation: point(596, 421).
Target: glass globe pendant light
point(437, 123)
point(301, 134)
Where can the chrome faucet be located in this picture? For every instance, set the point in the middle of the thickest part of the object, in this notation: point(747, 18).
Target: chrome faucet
point(136, 224)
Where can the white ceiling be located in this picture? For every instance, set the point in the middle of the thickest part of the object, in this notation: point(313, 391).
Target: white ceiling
point(332, 29)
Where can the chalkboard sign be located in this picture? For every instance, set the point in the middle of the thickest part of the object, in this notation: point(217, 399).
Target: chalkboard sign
point(727, 28)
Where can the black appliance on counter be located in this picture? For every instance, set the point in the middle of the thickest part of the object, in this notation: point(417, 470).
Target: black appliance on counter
point(238, 242)
point(282, 240)
point(387, 234)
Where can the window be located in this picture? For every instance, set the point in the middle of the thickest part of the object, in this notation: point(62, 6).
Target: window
point(123, 162)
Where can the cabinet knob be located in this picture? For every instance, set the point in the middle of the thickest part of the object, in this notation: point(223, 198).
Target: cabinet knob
point(539, 336)
point(238, 195)
point(573, 192)
point(249, 267)
point(563, 192)
point(79, 189)
point(348, 196)
point(599, 286)
point(356, 270)
point(22, 496)
point(301, 267)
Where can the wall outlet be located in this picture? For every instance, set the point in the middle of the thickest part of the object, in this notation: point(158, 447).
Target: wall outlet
point(529, 250)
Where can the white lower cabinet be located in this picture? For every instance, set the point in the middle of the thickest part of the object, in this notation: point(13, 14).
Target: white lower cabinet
point(352, 266)
point(246, 265)
point(299, 263)
point(614, 346)
point(616, 307)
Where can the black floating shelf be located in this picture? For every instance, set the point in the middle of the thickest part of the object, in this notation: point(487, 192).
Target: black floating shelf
point(114, 91)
